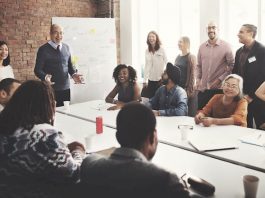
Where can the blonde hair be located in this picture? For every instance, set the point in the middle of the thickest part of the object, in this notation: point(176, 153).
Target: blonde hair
point(186, 41)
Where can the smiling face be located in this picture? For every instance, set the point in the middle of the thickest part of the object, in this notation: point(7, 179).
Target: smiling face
point(152, 39)
point(231, 88)
point(3, 52)
point(56, 34)
point(181, 44)
point(212, 31)
point(123, 75)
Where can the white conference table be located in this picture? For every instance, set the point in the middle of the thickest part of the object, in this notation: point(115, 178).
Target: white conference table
point(75, 129)
point(246, 155)
point(90, 110)
point(226, 177)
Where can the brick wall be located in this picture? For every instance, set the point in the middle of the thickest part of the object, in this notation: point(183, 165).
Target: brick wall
point(25, 25)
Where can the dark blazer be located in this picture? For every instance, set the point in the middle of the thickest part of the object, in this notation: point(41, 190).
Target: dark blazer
point(254, 70)
point(127, 173)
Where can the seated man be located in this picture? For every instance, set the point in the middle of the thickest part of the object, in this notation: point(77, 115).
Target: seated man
point(7, 88)
point(170, 99)
point(128, 172)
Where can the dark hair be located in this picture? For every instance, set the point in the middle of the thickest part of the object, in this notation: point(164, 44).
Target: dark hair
point(135, 122)
point(132, 73)
point(251, 28)
point(173, 73)
point(6, 84)
point(32, 103)
point(157, 44)
point(7, 60)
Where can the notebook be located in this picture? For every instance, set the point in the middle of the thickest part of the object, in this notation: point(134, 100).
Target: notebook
point(206, 145)
point(255, 139)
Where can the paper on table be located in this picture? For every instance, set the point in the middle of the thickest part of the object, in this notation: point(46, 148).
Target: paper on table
point(204, 145)
point(255, 139)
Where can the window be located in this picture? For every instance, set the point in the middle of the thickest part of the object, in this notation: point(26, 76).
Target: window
point(171, 20)
point(233, 15)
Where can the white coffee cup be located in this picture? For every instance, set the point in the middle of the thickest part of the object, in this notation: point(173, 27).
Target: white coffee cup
point(66, 105)
point(89, 142)
point(184, 131)
point(251, 183)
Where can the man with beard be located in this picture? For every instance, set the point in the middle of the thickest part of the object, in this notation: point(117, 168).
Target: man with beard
point(215, 62)
point(128, 171)
point(170, 99)
point(250, 64)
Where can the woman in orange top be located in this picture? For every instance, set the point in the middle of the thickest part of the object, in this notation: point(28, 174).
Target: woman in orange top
point(229, 108)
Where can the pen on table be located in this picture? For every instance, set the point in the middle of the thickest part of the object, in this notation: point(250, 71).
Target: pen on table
point(221, 149)
point(259, 136)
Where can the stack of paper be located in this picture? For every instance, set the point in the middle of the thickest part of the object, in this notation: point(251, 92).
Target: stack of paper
point(210, 144)
point(255, 139)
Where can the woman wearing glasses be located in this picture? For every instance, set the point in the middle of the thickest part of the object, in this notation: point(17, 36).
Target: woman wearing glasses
point(229, 108)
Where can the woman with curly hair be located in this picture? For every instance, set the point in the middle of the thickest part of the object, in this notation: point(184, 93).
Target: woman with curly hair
point(126, 87)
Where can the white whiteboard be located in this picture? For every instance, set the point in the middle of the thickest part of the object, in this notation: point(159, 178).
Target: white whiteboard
point(93, 46)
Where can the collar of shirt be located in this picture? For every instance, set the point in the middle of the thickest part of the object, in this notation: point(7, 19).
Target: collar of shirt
point(172, 90)
point(54, 45)
point(245, 48)
point(218, 42)
point(128, 153)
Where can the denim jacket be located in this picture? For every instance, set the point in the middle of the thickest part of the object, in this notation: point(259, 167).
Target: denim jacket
point(170, 103)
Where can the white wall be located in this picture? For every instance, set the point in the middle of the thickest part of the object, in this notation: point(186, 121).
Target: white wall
point(126, 31)
point(209, 11)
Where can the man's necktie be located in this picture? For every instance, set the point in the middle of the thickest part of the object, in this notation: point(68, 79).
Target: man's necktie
point(58, 49)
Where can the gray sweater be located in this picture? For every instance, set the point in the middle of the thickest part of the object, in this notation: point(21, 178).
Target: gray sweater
point(58, 64)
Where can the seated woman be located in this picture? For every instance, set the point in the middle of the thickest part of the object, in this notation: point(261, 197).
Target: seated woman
point(35, 160)
point(126, 87)
point(260, 93)
point(229, 108)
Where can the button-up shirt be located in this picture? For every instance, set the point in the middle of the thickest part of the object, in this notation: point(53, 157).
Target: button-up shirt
point(214, 62)
point(154, 64)
point(170, 103)
point(54, 45)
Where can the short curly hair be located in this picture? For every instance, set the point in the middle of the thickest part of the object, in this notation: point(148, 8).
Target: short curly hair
point(132, 73)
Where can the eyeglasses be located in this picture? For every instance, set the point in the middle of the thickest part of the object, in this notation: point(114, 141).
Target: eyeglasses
point(212, 27)
point(227, 85)
point(55, 32)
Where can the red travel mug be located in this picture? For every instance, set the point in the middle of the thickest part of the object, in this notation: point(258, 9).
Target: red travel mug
point(99, 125)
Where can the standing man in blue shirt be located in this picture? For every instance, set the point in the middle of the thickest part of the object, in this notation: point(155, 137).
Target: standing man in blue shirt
point(53, 64)
point(170, 99)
